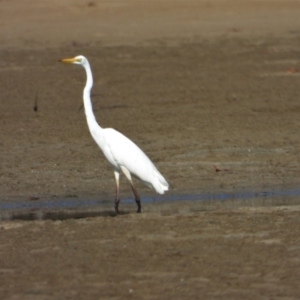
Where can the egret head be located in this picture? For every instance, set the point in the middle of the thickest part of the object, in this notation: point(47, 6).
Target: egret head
point(78, 60)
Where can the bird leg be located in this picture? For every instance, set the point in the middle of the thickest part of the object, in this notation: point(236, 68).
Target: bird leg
point(117, 199)
point(137, 198)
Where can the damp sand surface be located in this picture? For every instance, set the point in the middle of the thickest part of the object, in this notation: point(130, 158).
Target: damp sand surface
point(210, 91)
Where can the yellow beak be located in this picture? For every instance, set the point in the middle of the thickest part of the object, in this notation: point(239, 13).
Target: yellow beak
point(69, 60)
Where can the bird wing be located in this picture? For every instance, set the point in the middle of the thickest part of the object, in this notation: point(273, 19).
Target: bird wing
point(126, 153)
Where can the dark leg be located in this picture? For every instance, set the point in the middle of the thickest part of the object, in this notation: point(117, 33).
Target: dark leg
point(117, 199)
point(137, 199)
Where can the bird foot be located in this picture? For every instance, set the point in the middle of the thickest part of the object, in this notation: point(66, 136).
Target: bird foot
point(117, 208)
point(139, 210)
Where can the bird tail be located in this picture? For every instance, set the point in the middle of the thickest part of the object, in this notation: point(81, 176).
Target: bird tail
point(160, 184)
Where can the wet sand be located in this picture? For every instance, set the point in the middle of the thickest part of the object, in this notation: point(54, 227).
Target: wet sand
point(209, 90)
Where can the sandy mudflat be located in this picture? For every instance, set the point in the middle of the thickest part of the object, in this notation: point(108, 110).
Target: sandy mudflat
point(194, 84)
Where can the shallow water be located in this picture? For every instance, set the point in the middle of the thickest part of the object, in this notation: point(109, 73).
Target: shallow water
point(67, 208)
point(225, 196)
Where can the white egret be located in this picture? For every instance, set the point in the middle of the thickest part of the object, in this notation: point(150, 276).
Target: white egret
point(124, 155)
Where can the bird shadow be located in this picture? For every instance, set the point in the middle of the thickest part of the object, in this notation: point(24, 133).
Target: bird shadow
point(58, 215)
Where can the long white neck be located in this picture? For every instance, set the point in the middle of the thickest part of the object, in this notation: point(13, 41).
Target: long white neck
point(96, 131)
point(88, 108)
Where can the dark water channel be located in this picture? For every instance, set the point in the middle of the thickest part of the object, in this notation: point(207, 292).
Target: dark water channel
point(67, 208)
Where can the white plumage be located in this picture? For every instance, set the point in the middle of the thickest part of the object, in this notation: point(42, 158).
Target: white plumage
point(124, 155)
